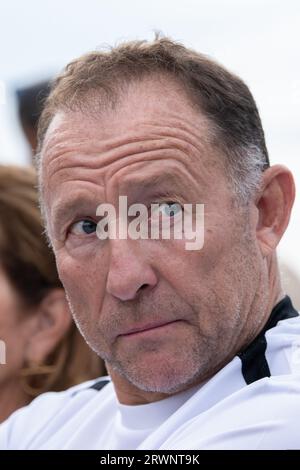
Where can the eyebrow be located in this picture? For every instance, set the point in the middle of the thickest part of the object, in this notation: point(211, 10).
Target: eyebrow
point(139, 190)
point(64, 210)
point(154, 186)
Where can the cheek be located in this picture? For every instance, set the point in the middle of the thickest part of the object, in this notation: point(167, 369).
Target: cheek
point(84, 282)
point(202, 277)
point(189, 271)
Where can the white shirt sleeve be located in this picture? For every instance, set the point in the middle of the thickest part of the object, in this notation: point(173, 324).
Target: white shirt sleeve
point(18, 431)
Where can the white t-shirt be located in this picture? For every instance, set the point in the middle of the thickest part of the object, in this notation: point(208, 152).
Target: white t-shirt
point(252, 403)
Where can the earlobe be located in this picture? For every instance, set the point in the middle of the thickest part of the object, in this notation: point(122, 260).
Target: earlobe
point(52, 322)
point(274, 204)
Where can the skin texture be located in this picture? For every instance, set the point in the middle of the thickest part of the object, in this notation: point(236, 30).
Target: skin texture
point(154, 147)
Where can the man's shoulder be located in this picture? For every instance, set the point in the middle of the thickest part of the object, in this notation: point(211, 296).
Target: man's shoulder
point(263, 415)
point(42, 411)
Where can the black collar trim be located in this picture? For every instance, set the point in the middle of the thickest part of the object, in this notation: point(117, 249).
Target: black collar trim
point(254, 362)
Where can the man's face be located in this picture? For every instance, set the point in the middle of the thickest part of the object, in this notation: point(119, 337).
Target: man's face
point(161, 316)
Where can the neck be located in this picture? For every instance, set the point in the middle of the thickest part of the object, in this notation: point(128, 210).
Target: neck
point(268, 294)
point(275, 288)
point(12, 397)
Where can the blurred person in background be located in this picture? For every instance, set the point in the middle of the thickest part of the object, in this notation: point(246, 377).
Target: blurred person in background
point(30, 101)
point(44, 350)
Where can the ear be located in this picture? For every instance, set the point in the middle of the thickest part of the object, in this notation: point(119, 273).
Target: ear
point(274, 204)
point(52, 321)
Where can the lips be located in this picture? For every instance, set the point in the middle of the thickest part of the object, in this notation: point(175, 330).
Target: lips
point(147, 327)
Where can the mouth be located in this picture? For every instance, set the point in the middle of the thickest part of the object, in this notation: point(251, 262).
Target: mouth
point(148, 328)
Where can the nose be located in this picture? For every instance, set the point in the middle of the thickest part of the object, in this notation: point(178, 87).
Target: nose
point(129, 272)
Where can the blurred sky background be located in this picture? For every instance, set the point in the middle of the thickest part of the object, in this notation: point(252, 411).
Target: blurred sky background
point(257, 39)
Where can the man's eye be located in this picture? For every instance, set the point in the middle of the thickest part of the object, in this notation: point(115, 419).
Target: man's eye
point(83, 227)
point(170, 209)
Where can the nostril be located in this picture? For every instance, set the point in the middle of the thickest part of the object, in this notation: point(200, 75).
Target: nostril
point(143, 286)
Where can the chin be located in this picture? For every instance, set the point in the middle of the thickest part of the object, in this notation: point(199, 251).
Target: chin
point(167, 385)
point(159, 377)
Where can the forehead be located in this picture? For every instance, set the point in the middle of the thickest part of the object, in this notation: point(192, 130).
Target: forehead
point(153, 121)
point(155, 100)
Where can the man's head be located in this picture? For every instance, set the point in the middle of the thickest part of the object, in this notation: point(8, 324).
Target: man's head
point(162, 124)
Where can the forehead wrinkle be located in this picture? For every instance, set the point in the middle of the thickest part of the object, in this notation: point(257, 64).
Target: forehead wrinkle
point(73, 164)
point(60, 143)
point(166, 157)
point(97, 173)
point(122, 147)
point(167, 126)
point(173, 170)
